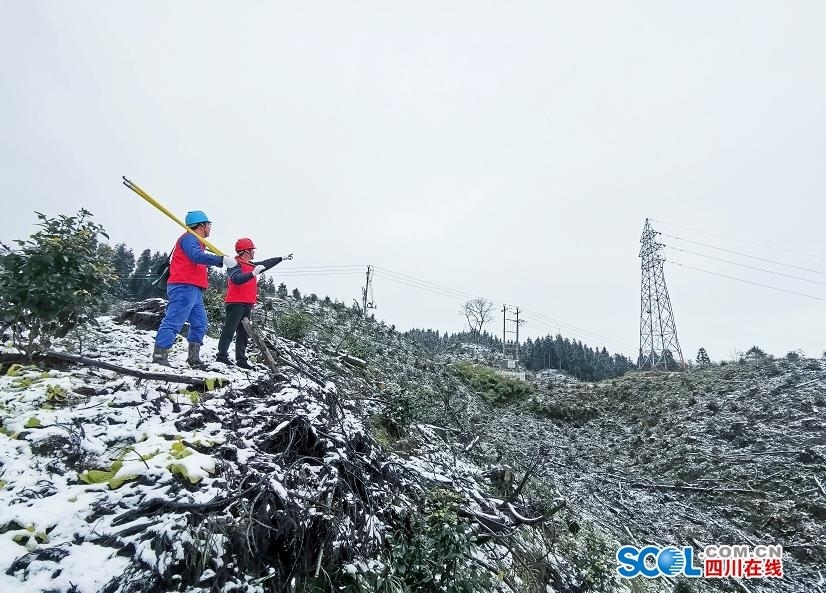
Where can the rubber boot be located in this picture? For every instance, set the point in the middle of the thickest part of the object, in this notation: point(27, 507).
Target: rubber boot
point(241, 354)
point(193, 357)
point(243, 363)
point(161, 356)
point(223, 359)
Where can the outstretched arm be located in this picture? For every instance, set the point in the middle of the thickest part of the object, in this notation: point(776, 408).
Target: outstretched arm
point(273, 261)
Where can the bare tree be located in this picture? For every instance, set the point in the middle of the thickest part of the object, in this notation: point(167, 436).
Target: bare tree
point(478, 312)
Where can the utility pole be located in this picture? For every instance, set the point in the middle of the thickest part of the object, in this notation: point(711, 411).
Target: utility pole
point(510, 353)
point(658, 332)
point(367, 289)
point(504, 331)
point(518, 323)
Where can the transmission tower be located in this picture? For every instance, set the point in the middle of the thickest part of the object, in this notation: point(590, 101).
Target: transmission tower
point(658, 332)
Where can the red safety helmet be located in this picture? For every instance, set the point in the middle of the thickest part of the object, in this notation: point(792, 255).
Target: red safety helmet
point(243, 245)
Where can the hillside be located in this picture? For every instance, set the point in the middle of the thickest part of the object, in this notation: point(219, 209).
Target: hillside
point(416, 472)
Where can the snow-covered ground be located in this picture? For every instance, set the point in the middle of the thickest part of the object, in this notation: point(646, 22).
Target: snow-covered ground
point(115, 483)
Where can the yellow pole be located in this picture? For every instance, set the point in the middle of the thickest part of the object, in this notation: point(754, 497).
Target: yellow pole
point(134, 187)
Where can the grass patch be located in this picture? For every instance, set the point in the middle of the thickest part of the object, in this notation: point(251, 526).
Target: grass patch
point(492, 386)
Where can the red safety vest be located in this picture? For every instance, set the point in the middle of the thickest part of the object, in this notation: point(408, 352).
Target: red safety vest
point(183, 270)
point(246, 293)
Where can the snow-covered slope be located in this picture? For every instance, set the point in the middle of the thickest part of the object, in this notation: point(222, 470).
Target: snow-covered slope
point(115, 483)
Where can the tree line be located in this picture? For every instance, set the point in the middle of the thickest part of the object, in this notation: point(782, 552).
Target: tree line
point(572, 356)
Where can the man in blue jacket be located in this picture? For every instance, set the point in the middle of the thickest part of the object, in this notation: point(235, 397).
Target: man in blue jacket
point(188, 278)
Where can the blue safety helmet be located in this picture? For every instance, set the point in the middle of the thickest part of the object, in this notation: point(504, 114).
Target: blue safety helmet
point(195, 217)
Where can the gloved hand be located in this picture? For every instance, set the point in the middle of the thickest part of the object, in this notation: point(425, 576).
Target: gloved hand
point(258, 269)
point(290, 256)
point(230, 262)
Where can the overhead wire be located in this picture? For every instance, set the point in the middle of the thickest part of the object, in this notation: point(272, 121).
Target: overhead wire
point(620, 348)
point(748, 281)
point(464, 296)
point(539, 319)
point(399, 275)
point(771, 261)
point(728, 261)
point(820, 257)
point(550, 322)
point(381, 274)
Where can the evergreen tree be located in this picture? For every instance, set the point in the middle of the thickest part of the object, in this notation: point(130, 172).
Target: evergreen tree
point(755, 352)
point(217, 279)
point(140, 275)
point(269, 286)
point(123, 263)
point(702, 358)
point(282, 291)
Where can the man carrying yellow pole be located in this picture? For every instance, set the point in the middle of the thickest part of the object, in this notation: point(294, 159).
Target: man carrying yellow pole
point(188, 278)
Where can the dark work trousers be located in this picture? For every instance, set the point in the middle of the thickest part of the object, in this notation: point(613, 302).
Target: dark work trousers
point(235, 312)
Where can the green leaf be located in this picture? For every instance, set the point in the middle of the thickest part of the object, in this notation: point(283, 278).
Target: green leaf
point(179, 450)
point(14, 370)
point(32, 422)
point(180, 468)
point(116, 483)
point(95, 476)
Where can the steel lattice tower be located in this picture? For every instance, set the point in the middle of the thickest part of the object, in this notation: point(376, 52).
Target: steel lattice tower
point(658, 332)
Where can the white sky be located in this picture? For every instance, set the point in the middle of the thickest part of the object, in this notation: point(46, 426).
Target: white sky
point(508, 150)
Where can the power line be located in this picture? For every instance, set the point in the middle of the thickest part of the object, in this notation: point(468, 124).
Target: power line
point(459, 295)
point(728, 261)
point(353, 267)
point(748, 281)
point(551, 330)
point(820, 257)
point(381, 274)
point(771, 261)
point(549, 322)
point(291, 274)
point(465, 295)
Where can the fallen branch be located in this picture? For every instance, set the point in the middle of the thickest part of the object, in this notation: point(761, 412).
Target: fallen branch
point(268, 359)
point(697, 489)
point(353, 361)
point(498, 572)
point(522, 520)
point(471, 444)
point(819, 486)
point(271, 360)
point(51, 357)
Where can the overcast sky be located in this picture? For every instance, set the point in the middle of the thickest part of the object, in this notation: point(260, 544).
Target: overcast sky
point(506, 150)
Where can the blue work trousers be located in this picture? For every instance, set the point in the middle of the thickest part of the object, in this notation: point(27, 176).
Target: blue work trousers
point(186, 303)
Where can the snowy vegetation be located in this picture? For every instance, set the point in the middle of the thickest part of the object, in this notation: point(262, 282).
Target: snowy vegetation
point(372, 461)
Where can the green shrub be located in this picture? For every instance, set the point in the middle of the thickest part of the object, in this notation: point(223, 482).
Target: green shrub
point(493, 387)
point(56, 280)
point(434, 552)
point(294, 326)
